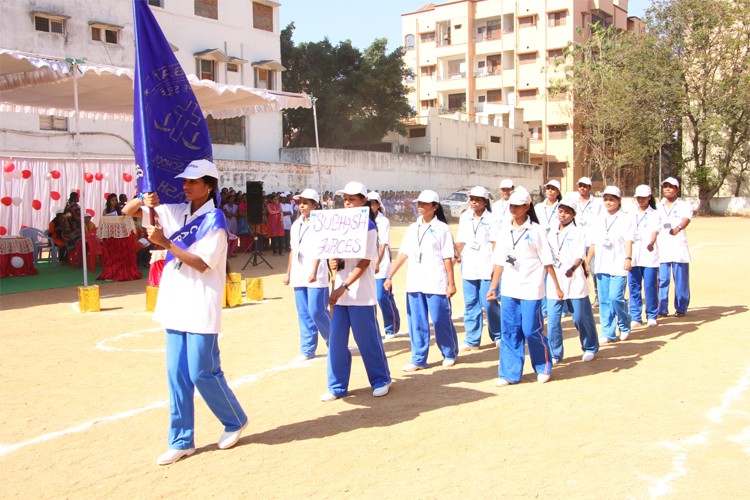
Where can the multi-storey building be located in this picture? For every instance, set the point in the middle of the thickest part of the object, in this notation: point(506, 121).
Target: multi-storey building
point(482, 58)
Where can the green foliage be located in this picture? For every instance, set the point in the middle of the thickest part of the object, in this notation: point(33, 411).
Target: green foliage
point(360, 96)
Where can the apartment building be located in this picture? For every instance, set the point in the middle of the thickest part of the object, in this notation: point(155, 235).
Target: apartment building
point(225, 41)
point(480, 59)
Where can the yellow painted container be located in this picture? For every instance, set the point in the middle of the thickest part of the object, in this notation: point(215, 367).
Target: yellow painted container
point(233, 290)
point(254, 288)
point(151, 293)
point(88, 298)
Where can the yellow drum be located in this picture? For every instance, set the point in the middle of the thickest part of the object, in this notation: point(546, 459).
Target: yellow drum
point(254, 287)
point(88, 298)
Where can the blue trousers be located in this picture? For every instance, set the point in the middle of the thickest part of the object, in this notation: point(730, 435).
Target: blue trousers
point(362, 321)
point(583, 319)
point(681, 274)
point(612, 305)
point(647, 276)
point(312, 316)
point(522, 321)
point(418, 306)
point(475, 299)
point(391, 316)
point(193, 363)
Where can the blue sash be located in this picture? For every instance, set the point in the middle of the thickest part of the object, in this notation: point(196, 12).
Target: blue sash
point(197, 229)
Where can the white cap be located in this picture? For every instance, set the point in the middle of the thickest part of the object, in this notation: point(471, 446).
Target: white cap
point(555, 184)
point(571, 201)
point(60, 212)
point(428, 196)
point(309, 194)
point(374, 195)
point(506, 184)
point(479, 192)
point(353, 187)
point(642, 191)
point(672, 181)
point(199, 168)
point(585, 180)
point(520, 197)
point(613, 190)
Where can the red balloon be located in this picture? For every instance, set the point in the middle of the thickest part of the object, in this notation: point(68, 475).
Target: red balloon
point(106, 195)
point(6, 200)
point(98, 176)
point(88, 177)
point(54, 195)
point(90, 212)
point(23, 226)
point(36, 205)
point(127, 177)
point(55, 174)
point(3, 231)
point(9, 167)
point(26, 174)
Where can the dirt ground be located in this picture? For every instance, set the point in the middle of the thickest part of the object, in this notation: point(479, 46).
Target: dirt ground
point(83, 410)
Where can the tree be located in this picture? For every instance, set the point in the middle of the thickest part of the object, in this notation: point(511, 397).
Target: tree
point(710, 40)
point(359, 97)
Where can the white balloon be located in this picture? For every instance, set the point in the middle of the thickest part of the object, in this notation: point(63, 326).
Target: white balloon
point(16, 262)
point(16, 201)
point(49, 176)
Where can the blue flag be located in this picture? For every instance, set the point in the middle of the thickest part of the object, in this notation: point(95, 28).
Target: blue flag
point(169, 128)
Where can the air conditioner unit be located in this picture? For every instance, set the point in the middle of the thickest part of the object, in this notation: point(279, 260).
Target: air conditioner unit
point(403, 148)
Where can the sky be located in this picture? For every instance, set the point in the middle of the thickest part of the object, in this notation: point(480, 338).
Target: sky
point(363, 21)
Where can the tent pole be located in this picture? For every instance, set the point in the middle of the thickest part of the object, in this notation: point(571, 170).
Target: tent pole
point(81, 199)
point(317, 143)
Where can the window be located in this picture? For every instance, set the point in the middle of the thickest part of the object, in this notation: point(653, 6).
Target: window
point(427, 37)
point(558, 131)
point(206, 69)
point(535, 132)
point(107, 34)
point(556, 18)
point(264, 78)
point(556, 94)
point(456, 102)
point(262, 17)
point(528, 58)
point(555, 54)
point(556, 169)
point(527, 22)
point(527, 95)
point(456, 69)
point(493, 30)
point(493, 64)
point(495, 96)
point(418, 132)
point(227, 131)
point(156, 3)
point(207, 8)
point(49, 24)
point(233, 67)
point(50, 122)
point(496, 139)
point(409, 42)
point(427, 70)
point(427, 104)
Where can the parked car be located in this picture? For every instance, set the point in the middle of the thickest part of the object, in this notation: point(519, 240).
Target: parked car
point(457, 203)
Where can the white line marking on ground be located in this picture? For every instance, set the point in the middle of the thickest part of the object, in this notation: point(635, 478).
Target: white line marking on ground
point(246, 379)
point(713, 244)
point(102, 345)
point(684, 447)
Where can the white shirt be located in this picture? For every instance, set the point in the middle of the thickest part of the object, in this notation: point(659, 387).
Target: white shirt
point(524, 278)
point(674, 248)
point(568, 244)
point(609, 234)
point(646, 224)
point(191, 301)
point(302, 264)
point(587, 213)
point(503, 217)
point(362, 292)
point(476, 234)
point(287, 209)
point(547, 214)
point(384, 238)
point(427, 246)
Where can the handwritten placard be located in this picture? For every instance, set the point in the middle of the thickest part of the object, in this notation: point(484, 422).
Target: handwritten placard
point(340, 233)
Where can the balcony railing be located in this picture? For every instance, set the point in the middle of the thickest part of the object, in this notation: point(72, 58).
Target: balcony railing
point(453, 76)
point(487, 36)
point(482, 73)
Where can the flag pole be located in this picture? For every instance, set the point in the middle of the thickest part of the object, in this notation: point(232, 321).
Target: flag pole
point(74, 67)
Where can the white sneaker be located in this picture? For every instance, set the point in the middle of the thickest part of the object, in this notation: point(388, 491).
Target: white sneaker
point(624, 335)
point(555, 361)
point(651, 322)
point(171, 456)
point(604, 340)
point(328, 397)
point(411, 367)
point(467, 347)
point(229, 439)
point(501, 382)
point(389, 336)
point(448, 362)
point(542, 377)
point(381, 391)
point(301, 358)
point(498, 342)
point(635, 324)
point(588, 356)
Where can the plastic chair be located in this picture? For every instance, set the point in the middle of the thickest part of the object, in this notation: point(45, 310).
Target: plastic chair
point(42, 241)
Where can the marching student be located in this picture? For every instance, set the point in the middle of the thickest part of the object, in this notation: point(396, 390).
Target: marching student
point(500, 209)
point(546, 211)
point(309, 277)
point(674, 254)
point(428, 245)
point(645, 271)
point(353, 308)
point(391, 316)
point(521, 256)
point(474, 245)
point(588, 210)
point(612, 244)
point(568, 243)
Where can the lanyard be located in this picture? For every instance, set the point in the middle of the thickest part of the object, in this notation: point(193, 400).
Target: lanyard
point(612, 224)
point(549, 217)
point(560, 245)
point(638, 221)
point(302, 233)
point(587, 206)
point(419, 240)
point(515, 242)
point(476, 228)
point(664, 206)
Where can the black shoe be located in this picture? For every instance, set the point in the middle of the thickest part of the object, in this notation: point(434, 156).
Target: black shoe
point(679, 315)
point(660, 315)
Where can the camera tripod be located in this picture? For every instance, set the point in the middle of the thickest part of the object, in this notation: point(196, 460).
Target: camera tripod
point(255, 256)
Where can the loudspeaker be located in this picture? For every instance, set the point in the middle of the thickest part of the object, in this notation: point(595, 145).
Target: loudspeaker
point(254, 202)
